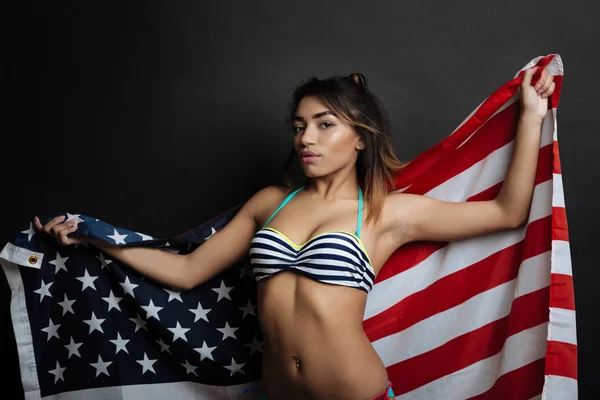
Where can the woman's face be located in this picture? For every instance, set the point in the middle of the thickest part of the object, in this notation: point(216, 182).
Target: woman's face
point(317, 129)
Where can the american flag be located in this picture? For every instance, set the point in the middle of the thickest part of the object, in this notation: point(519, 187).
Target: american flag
point(487, 317)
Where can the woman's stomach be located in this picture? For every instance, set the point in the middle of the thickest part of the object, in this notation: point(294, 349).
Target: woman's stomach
point(314, 344)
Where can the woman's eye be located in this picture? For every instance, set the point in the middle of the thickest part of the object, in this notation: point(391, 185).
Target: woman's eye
point(328, 124)
point(295, 128)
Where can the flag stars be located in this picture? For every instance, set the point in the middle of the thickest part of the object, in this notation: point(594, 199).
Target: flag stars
point(152, 310)
point(179, 332)
point(103, 261)
point(67, 305)
point(189, 368)
point(223, 291)
point(117, 237)
point(227, 331)
point(120, 343)
point(173, 295)
point(146, 364)
point(51, 330)
point(30, 232)
point(205, 351)
point(87, 281)
point(94, 323)
point(101, 366)
point(128, 286)
point(234, 367)
point(248, 309)
point(59, 263)
point(163, 346)
point(255, 345)
point(113, 301)
point(44, 290)
point(139, 323)
point(200, 313)
point(58, 372)
point(73, 348)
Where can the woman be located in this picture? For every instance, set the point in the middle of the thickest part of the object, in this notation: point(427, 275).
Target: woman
point(314, 255)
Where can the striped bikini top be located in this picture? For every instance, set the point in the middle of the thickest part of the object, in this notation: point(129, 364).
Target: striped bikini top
point(335, 257)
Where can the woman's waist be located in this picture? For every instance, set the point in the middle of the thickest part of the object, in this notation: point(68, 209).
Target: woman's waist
point(332, 365)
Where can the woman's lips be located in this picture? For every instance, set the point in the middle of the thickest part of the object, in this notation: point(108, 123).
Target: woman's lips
point(308, 159)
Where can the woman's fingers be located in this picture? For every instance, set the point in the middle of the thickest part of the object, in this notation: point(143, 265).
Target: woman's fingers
point(59, 230)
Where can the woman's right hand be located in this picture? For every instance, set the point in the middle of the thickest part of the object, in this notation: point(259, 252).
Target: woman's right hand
point(58, 230)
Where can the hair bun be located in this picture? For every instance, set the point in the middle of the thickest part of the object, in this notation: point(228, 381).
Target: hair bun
point(359, 78)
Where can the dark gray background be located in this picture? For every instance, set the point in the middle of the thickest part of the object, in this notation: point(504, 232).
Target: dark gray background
point(159, 115)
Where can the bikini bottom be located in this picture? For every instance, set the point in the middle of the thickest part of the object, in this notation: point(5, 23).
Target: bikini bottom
point(387, 394)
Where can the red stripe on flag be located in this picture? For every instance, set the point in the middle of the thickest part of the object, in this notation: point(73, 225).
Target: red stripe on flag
point(455, 289)
point(496, 133)
point(527, 312)
point(523, 383)
point(557, 169)
point(561, 291)
point(413, 253)
point(560, 229)
point(561, 359)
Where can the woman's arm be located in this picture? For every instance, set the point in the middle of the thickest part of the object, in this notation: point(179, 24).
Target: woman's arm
point(183, 272)
point(414, 217)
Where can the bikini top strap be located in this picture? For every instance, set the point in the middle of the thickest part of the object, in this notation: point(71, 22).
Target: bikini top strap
point(288, 198)
point(360, 207)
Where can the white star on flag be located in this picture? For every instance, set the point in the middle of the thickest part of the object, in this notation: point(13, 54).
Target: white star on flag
point(103, 262)
point(179, 332)
point(163, 346)
point(248, 309)
point(44, 290)
point(205, 351)
point(87, 281)
point(101, 366)
point(73, 348)
point(58, 372)
point(152, 310)
point(145, 237)
point(146, 364)
point(94, 323)
point(67, 305)
point(139, 323)
point(59, 262)
point(173, 295)
point(234, 367)
point(227, 331)
point(189, 368)
point(118, 238)
point(120, 343)
point(200, 312)
point(75, 217)
point(52, 330)
point(212, 232)
point(255, 345)
point(30, 232)
point(113, 301)
point(223, 291)
point(128, 286)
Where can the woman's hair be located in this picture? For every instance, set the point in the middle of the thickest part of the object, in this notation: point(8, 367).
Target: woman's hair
point(349, 97)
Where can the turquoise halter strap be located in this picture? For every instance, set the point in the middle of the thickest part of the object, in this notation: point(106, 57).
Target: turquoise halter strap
point(289, 197)
point(360, 207)
point(284, 203)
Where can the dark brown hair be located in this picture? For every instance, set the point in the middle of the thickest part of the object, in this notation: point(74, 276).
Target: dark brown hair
point(349, 97)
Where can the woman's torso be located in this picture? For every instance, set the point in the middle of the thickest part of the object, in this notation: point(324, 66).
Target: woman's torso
point(320, 322)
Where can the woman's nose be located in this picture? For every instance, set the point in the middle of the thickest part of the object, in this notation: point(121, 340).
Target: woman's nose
point(309, 136)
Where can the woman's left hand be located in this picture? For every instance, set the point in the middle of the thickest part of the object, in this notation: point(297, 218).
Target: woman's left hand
point(534, 99)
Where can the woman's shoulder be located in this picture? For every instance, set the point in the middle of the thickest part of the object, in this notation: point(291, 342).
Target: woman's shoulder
point(267, 198)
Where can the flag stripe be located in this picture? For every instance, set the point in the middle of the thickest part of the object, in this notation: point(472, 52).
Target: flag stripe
point(527, 311)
